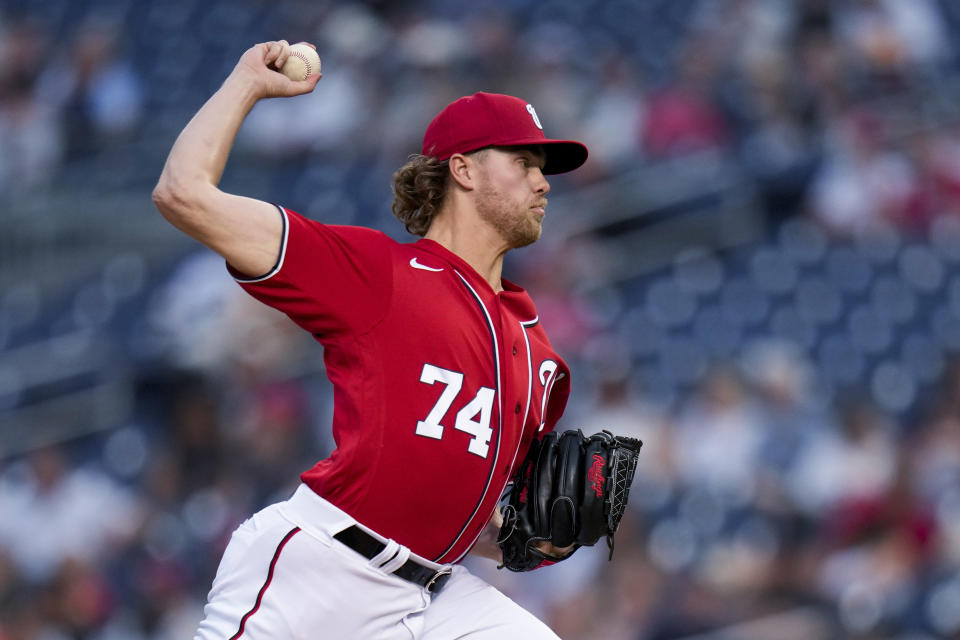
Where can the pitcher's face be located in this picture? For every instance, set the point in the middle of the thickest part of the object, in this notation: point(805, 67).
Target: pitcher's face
point(511, 193)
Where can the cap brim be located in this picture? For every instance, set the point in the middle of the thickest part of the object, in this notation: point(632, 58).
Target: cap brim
point(563, 155)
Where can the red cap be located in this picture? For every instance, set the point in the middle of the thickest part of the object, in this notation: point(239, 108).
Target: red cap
point(496, 120)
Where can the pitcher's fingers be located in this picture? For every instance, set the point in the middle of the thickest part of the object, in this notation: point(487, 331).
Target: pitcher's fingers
point(310, 83)
point(272, 49)
point(298, 87)
point(283, 55)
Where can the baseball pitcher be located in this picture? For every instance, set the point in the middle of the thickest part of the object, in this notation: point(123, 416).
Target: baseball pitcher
point(447, 390)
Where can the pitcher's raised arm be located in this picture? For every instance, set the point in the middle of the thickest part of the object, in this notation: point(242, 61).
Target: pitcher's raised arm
point(245, 231)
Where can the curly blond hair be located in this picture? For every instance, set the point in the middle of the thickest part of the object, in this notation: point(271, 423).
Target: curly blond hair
point(419, 187)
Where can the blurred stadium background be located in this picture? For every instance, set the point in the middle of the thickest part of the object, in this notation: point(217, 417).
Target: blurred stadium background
point(758, 273)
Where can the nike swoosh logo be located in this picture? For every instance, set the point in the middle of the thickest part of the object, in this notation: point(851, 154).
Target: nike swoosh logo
point(417, 265)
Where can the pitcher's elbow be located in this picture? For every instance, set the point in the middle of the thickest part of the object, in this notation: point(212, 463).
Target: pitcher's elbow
point(162, 196)
point(173, 202)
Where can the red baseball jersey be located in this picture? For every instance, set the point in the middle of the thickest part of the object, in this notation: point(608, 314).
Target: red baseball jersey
point(440, 384)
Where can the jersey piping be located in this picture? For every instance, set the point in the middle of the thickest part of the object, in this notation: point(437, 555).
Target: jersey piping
point(526, 324)
point(280, 256)
point(496, 453)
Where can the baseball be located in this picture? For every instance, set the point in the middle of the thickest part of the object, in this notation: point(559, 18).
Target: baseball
point(302, 63)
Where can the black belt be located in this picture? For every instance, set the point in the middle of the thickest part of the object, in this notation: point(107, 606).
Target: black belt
point(412, 571)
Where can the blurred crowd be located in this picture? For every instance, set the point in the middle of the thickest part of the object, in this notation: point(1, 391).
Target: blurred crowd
point(781, 488)
point(64, 106)
point(843, 110)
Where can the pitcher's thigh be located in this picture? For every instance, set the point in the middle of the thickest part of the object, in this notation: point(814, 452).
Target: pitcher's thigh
point(469, 607)
point(282, 582)
point(243, 599)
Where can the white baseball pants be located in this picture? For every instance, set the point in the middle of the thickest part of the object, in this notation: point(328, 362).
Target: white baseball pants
point(284, 576)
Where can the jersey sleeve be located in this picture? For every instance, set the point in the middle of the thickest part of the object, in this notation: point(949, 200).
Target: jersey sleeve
point(329, 279)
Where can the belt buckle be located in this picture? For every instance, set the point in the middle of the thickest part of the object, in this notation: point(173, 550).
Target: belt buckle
point(446, 571)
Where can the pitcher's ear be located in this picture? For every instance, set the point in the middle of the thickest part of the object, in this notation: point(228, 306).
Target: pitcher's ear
point(463, 170)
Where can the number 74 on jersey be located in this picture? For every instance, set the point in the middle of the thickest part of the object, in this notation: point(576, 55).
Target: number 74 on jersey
point(473, 418)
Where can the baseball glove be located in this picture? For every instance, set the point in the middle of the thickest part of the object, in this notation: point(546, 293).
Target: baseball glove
point(570, 491)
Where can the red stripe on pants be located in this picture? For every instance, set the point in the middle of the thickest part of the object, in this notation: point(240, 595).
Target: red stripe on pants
point(263, 589)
